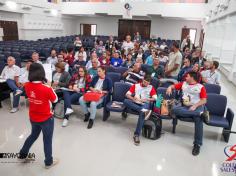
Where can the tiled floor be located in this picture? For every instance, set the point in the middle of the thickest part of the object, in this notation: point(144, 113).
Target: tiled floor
point(107, 149)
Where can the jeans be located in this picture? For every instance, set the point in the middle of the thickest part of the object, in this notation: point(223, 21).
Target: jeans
point(134, 106)
point(184, 112)
point(93, 106)
point(16, 99)
point(47, 128)
point(12, 84)
point(70, 98)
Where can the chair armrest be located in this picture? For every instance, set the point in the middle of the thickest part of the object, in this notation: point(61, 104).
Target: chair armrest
point(230, 117)
point(107, 98)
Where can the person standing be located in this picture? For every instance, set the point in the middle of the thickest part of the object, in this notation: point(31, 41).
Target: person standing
point(40, 97)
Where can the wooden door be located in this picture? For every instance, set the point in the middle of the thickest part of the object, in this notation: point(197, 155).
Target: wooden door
point(10, 30)
point(201, 39)
point(87, 29)
point(132, 26)
point(185, 32)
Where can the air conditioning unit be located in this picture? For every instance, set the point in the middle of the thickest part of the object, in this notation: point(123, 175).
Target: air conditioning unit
point(26, 7)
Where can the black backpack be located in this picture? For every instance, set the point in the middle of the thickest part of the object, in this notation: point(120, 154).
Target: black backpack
point(152, 128)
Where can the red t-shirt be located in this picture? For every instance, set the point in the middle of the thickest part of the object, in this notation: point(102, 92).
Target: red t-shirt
point(40, 97)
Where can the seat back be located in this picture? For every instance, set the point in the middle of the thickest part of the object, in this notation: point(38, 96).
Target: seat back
point(115, 77)
point(212, 88)
point(216, 104)
point(120, 90)
point(121, 70)
point(155, 82)
point(162, 91)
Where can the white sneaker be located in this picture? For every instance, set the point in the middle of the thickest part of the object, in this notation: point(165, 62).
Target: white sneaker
point(18, 92)
point(144, 110)
point(13, 110)
point(69, 111)
point(55, 162)
point(64, 123)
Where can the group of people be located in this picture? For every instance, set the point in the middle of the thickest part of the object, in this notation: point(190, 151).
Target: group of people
point(75, 72)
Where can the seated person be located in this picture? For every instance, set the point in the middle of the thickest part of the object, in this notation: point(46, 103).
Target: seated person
point(77, 43)
point(133, 75)
point(149, 59)
point(10, 74)
point(35, 58)
point(89, 63)
point(60, 78)
point(163, 45)
point(116, 61)
point(139, 54)
point(157, 71)
point(93, 71)
point(100, 49)
point(139, 97)
point(194, 98)
point(139, 60)
point(61, 60)
point(128, 62)
point(162, 57)
point(196, 69)
point(186, 68)
point(52, 59)
point(23, 78)
point(211, 76)
point(78, 85)
point(104, 59)
point(78, 62)
point(206, 66)
point(102, 84)
point(127, 44)
point(69, 57)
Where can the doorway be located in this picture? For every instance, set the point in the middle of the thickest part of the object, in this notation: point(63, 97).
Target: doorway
point(10, 30)
point(130, 27)
point(88, 29)
point(192, 32)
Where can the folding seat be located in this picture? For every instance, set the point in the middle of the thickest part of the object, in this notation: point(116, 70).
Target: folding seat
point(115, 77)
point(120, 70)
point(212, 88)
point(118, 95)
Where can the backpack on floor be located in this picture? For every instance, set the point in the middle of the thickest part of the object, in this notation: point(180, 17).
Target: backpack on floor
point(59, 109)
point(152, 128)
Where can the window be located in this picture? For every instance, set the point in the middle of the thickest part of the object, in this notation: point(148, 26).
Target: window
point(192, 34)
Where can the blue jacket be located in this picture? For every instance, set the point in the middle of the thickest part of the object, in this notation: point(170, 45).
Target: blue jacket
point(107, 83)
point(116, 62)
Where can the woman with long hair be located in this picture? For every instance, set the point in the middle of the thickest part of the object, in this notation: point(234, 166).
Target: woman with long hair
point(78, 85)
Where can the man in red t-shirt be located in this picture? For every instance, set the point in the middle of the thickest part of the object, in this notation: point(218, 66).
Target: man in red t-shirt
point(40, 97)
point(194, 98)
point(138, 99)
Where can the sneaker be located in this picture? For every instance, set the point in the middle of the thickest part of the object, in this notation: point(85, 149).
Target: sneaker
point(86, 117)
point(55, 162)
point(69, 111)
point(147, 114)
point(13, 110)
point(136, 140)
point(196, 149)
point(206, 116)
point(18, 92)
point(25, 159)
point(90, 124)
point(65, 123)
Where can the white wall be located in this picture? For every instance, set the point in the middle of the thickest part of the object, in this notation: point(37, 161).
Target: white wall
point(166, 28)
point(220, 38)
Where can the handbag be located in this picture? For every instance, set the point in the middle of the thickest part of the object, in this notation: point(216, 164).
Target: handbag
point(166, 107)
point(93, 96)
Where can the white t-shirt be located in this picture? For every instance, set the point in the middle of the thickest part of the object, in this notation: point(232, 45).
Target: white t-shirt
point(127, 45)
point(10, 72)
point(99, 84)
point(212, 77)
point(51, 60)
point(24, 73)
point(81, 83)
point(56, 77)
point(175, 58)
